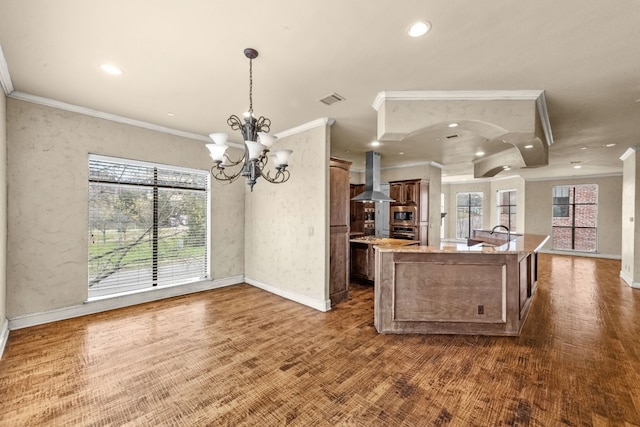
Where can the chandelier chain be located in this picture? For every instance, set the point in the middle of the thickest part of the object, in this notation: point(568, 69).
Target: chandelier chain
point(250, 86)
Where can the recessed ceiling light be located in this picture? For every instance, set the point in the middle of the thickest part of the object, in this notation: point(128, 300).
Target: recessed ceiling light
point(577, 166)
point(111, 69)
point(401, 153)
point(170, 114)
point(610, 145)
point(453, 125)
point(583, 148)
point(528, 146)
point(375, 143)
point(479, 153)
point(419, 29)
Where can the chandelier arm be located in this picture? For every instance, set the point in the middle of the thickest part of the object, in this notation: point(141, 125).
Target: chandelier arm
point(221, 176)
point(231, 163)
point(263, 124)
point(282, 175)
point(234, 122)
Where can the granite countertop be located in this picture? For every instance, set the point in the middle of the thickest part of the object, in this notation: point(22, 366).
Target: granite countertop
point(526, 243)
point(383, 241)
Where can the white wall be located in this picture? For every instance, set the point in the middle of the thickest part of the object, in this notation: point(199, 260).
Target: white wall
point(538, 204)
point(47, 191)
point(286, 225)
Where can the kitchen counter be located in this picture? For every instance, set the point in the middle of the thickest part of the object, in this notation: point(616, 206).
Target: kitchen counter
point(456, 289)
point(524, 244)
point(383, 241)
point(363, 254)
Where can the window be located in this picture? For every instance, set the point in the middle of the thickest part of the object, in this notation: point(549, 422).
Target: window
point(442, 214)
point(468, 214)
point(575, 217)
point(147, 225)
point(507, 208)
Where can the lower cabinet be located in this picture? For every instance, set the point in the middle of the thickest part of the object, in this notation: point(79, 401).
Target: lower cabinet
point(362, 262)
point(339, 262)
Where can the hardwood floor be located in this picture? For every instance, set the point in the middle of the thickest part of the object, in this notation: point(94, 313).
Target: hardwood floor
point(242, 356)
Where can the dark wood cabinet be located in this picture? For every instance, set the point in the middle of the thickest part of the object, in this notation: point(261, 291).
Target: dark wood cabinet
point(339, 230)
point(396, 192)
point(413, 192)
point(362, 261)
point(405, 192)
point(356, 211)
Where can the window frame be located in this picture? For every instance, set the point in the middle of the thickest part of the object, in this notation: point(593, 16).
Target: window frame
point(565, 206)
point(511, 224)
point(175, 182)
point(469, 212)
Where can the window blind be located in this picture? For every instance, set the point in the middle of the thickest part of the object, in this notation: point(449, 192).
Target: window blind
point(147, 225)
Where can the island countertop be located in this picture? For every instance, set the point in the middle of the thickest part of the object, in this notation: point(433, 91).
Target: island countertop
point(482, 289)
point(383, 241)
point(527, 243)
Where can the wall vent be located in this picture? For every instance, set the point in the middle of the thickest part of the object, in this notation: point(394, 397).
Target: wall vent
point(331, 99)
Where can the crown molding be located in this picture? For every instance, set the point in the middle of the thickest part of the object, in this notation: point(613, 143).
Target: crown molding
point(5, 77)
point(47, 102)
point(404, 166)
point(629, 152)
point(455, 95)
point(323, 121)
point(102, 115)
point(573, 177)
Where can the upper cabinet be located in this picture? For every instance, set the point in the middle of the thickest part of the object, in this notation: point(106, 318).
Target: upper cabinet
point(405, 192)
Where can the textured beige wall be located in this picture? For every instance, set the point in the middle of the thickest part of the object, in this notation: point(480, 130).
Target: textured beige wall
point(538, 204)
point(47, 214)
point(286, 227)
point(3, 208)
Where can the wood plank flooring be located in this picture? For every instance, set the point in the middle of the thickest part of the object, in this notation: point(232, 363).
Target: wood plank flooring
point(241, 356)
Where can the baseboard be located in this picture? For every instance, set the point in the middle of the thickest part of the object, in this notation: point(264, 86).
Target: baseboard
point(291, 295)
point(629, 280)
point(100, 304)
point(581, 254)
point(4, 336)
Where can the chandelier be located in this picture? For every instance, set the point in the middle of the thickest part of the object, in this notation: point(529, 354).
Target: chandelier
point(257, 142)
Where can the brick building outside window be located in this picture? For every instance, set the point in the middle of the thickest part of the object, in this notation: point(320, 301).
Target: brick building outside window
point(575, 217)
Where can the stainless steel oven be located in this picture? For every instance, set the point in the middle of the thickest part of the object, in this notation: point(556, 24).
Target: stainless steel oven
point(403, 232)
point(403, 216)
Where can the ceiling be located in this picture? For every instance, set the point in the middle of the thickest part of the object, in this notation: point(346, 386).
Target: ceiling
point(186, 58)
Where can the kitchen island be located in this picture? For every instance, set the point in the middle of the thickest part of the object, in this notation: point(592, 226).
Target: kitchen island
point(363, 255)
point(483, 289)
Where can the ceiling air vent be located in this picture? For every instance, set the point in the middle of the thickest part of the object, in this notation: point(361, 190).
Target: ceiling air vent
point(452, 136)
point(331, 99)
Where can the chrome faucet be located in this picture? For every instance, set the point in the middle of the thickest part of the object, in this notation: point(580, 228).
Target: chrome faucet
point(493, 230)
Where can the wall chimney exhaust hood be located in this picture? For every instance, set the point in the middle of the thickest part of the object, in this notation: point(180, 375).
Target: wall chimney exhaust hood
point(372, 191)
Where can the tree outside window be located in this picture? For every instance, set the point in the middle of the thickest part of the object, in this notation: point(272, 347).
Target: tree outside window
point(506, 200)
point(468, 213)
point(147, 225)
